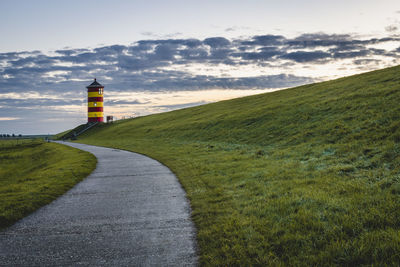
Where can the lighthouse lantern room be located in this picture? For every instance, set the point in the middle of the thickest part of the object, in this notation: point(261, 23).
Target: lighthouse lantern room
point(95, 102)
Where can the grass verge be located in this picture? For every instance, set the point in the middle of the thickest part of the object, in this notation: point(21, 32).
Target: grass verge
point(304, 176)
point(34, 173)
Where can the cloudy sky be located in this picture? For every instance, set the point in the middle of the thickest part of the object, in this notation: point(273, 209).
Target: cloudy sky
point(158, 55)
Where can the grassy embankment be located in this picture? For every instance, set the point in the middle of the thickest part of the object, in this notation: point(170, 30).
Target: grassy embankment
point(33, 173)
point(305, 176)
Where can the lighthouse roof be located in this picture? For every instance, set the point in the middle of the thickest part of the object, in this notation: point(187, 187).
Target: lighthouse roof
point(95, 84)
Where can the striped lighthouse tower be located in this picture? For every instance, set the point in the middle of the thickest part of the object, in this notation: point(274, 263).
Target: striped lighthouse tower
point(95, 102)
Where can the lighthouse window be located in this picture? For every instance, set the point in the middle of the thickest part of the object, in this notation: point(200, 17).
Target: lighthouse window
point(95, 104)
point(100, 91)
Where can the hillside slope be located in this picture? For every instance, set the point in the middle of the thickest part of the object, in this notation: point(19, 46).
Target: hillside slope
point(304, 176)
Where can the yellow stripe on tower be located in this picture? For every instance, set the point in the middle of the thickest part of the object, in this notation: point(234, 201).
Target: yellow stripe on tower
point(94, 94)
point(92, 104)
point(95, 114)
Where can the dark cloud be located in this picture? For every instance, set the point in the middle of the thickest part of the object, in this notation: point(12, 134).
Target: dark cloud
point(265, 40)
point(194, 54)
point(366, 61)
point(191, 43)
point(312, 40)
point(304, 56)
point(220, 54)
point(40, 60)
point(129, 63)
point(339, 42)
point(217, 42)
point(351, 54)
point(263, 54)
point(186, 42)
point(113, 49)
point(164, 52)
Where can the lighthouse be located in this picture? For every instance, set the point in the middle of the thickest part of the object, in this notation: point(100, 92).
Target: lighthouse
point(95, 102)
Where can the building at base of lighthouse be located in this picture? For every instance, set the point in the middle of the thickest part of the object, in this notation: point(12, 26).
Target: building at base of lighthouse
point(95, 102)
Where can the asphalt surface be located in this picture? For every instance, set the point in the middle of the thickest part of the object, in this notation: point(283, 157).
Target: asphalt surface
point(131, 211)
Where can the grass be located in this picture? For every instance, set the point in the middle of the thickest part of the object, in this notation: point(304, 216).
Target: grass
point(34, 173)
point(68, 134)
point(304, 176)
point(62, 134)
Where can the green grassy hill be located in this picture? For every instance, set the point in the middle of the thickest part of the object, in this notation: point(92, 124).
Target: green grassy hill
point(304, 176)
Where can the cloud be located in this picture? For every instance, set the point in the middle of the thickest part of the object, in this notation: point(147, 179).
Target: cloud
point(265, 40)
point(262, 54)
point(171, 64)
point(110, 50)
point(164, 52)
point(312, 40)
point(391, 28)
point(9, 118)
point(217, 42)
point(155, 35)
point(304, 56)
point(194, 54)
point(123, 102)
point(351, 54)
point(70, 52)
point(366, 61)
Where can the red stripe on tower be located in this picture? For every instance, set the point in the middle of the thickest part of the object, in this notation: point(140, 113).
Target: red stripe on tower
point(95, 109)
point(94, 89)
point(94, 120)
point(95, 99)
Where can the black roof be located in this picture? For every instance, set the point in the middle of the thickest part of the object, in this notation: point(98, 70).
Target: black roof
point(95, 84)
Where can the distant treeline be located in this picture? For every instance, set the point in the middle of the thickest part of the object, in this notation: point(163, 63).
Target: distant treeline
point(12, 136)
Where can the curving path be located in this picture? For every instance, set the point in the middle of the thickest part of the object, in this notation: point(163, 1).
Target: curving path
point(131, 211)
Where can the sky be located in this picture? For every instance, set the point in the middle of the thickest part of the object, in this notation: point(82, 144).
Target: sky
point(155, 56)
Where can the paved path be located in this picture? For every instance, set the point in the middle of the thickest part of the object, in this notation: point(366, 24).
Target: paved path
point(131, 211)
